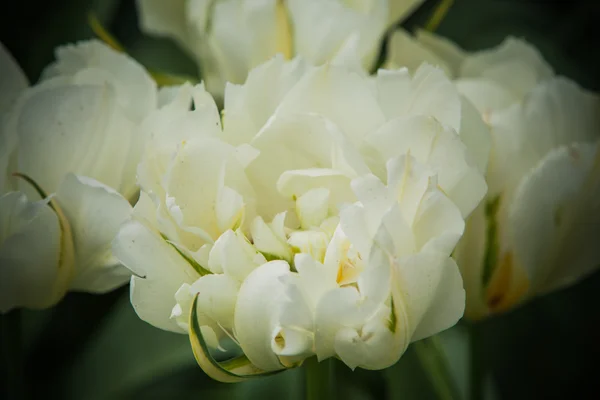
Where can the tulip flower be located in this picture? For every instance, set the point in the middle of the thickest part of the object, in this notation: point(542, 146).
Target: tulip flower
point(343, 32)
point(70, 148)
point(536, 230)
point(315, 217)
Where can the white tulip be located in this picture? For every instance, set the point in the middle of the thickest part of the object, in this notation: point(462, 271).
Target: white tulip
point(316, 219)
point(75, 136)
point(536, 230)
point(340, 31)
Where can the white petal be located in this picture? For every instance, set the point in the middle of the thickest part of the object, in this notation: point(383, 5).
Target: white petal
point(75, 128)
point(485, 94)
point(514, 63)
point(266, 240)
point(409, 180)
point(557, 112)
point(295, 183)
point(314, 279)
point(201, 161)
point(448, 51)
point(95, 213)
point(170, 126)
point(438, 147)
point(162, 19)
point(30, 244)
point(375, 198)
point(342, 97)
point(292, 345)
point(375, 347)
point(159, 271)
point(431, 289)
point(211, 331)
point(336, 310)
point(145, 211)
point(229, 209)
point(309, 242)
point(475, 134)
point(405, 51)
point(288, 143)
point(428, 92)
point(554, 217)
point(235, 255)
point(262, 30)
point(243, 116)
point(256, 313)
point(312, 207)
point(217, 295)
point(323, 29)
point(439, 223)
point(354, 224)
point(93, 62)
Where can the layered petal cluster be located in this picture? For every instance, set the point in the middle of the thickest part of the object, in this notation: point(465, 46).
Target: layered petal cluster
point(492, 79)
point(340, 31)
point(535, 231)
point(314, 217)
point(69, 147)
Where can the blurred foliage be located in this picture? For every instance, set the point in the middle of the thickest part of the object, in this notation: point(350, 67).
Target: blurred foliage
point(95, 347)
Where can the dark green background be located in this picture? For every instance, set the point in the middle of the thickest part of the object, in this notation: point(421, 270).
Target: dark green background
point(95, 346)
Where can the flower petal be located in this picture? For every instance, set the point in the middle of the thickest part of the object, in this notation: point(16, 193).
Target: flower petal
point(256, 311)
point(430, 287)
point(244, 117)
point(235, 255)
point(439, 223)
point(405, 51)
point(75, 128)
point(93, 62)
point(159, 270)
point(217, 295)
point(514, 63)
point(312, 207)
point(553, 222)
point(30, 246)
point(95, 213)
point(444, 48)
point(427, 92)
point(438, 147)
point(342, 97)
point(161, 19)
point(267, 240)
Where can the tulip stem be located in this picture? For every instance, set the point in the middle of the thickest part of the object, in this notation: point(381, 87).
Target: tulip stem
point(433, 359)
point(477, 362)
point(320, 381)
point(10, 354)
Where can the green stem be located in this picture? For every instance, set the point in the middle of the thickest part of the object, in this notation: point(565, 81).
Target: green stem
point(477, 362)
point(10, 346)
point(320, 383)
point(433, 359)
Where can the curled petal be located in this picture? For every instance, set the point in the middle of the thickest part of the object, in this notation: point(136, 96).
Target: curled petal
point(256, 311)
